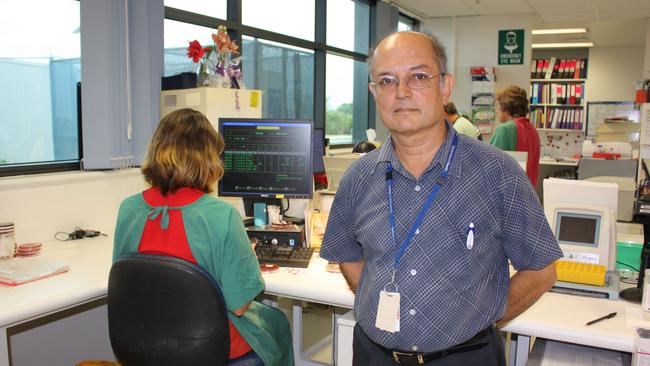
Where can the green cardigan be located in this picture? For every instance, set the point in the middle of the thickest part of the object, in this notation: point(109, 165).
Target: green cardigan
point(505, 136)
point(218, 241)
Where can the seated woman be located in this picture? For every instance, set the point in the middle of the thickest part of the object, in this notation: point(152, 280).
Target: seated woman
point(516, 133)
point(177, 217)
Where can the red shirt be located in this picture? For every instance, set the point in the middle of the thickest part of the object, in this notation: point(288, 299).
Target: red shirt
point(528, 140)
point(173, 242)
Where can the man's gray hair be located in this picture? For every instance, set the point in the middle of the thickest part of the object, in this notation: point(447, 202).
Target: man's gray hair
point(439, 53)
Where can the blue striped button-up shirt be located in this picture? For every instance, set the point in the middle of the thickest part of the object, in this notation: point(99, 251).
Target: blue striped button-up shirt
point(448, 292)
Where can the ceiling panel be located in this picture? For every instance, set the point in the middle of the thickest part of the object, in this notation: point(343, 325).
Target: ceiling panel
point(436, 8)
point(559, 6)
point(628, 32)
point(568, 17)
point(500, 7)
point(623, 14)
point(621, 4)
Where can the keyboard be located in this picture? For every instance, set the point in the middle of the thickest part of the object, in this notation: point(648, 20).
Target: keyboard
point(284, 255)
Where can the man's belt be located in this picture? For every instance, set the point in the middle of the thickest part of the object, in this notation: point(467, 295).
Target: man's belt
point(418, 358)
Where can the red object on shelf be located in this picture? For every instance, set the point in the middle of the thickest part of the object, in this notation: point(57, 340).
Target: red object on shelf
point(608, 156)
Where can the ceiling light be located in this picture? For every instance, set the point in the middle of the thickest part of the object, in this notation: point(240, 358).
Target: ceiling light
point(559, 31)
point(563, 45)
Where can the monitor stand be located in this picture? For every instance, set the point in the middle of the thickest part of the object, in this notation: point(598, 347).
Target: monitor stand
point(634, 294)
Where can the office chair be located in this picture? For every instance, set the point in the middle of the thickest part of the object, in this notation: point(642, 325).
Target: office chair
point(167, 311)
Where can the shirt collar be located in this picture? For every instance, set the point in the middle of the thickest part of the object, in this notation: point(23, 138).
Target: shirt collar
point(387, 153)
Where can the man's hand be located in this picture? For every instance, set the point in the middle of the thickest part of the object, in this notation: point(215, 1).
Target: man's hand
point(525, 288)
point(352, 273)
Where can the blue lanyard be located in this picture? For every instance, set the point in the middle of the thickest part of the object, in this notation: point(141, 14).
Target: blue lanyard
point(427, 204)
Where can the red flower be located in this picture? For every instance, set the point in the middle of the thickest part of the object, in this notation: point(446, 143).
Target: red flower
point(195, 51)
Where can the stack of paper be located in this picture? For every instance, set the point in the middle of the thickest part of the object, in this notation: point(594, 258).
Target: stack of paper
point(21, 270)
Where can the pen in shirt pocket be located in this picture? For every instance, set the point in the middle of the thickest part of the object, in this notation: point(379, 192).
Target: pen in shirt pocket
point(470, 236)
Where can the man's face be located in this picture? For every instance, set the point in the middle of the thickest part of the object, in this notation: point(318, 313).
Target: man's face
point(404, 109)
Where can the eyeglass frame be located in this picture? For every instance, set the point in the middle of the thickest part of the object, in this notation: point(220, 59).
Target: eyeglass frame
point(408, 81)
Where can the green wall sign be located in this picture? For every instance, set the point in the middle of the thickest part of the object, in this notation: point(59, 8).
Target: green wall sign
point(511, 47)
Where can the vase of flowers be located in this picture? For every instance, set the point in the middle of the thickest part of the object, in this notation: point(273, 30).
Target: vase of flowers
point(218, 64)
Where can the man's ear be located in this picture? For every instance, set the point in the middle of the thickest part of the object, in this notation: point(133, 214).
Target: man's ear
point(447, 87)
point(372, 90)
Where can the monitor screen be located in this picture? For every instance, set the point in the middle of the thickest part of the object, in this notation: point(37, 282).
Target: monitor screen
point(577, 229)
point(319, 150)
point(266, 158)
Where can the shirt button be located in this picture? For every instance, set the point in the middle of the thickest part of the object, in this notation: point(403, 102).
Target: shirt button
point(417, 188)
point(414, 348)
point(413, 272)
point(412, 311)
point(417, 231)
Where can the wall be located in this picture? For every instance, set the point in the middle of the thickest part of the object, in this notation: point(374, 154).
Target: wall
point(612, 72)
point(646, 58)
point(476, 44)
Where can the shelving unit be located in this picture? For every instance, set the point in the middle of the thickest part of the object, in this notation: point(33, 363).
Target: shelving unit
point(483, 79)
point(558, 104)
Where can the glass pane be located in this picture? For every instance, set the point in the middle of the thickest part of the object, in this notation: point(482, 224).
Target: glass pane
point(346, 92)
point(404, 24)
point(213, 8)
point(177, 38)
point(290, 17)
point(348, 25)
point(38, 93)
point(285, 74)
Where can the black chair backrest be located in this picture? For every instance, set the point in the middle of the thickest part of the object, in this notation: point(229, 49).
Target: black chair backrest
point(166, 311)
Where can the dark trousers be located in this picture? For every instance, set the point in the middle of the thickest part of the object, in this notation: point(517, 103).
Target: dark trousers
point(367, 353)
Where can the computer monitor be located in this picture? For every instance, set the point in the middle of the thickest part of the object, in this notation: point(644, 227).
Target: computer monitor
point(319, 150)
point(582, 214)
point(266, 159)
point(335, 167)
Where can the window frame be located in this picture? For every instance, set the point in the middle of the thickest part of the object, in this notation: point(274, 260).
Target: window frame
point(407, 19)
point(40, 167)
point(237, 29)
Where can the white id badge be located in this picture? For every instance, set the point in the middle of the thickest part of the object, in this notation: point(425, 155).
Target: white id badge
point(388, 312)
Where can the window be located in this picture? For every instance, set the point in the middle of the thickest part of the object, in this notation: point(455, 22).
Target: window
point(406, 23)
point(290, 17)
point(213, 8)
point(285, 74)
point(346, 96)
point(177, 36)
point(307, 69)
point(347, 84)
point(348, 25)
point(38, 94)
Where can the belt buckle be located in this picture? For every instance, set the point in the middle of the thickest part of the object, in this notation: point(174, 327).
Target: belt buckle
point(396, 356)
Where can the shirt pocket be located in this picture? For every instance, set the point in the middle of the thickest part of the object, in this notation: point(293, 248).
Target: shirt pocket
point(476, 258)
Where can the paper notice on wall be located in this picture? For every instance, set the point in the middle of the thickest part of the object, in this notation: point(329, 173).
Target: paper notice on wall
point(255, 99)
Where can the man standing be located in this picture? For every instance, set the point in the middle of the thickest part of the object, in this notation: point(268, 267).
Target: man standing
point(461, 124)
point(424, 226)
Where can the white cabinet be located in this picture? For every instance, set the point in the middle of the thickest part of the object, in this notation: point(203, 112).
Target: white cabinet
point(213, 102)
point(344, 335)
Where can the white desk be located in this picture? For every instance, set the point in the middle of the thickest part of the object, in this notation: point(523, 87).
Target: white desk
point(555, 316)
point(90, 261)
point(562, 318)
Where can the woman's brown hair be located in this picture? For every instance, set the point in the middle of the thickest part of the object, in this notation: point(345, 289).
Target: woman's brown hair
point(513, 100)
point(184, 152)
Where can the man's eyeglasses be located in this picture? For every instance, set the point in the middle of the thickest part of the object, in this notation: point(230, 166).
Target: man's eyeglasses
point(416, 80)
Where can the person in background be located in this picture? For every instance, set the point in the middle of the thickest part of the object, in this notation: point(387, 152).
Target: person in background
point(460, 123)
point(516, 133)
point(424, 226)
point(177, 217)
